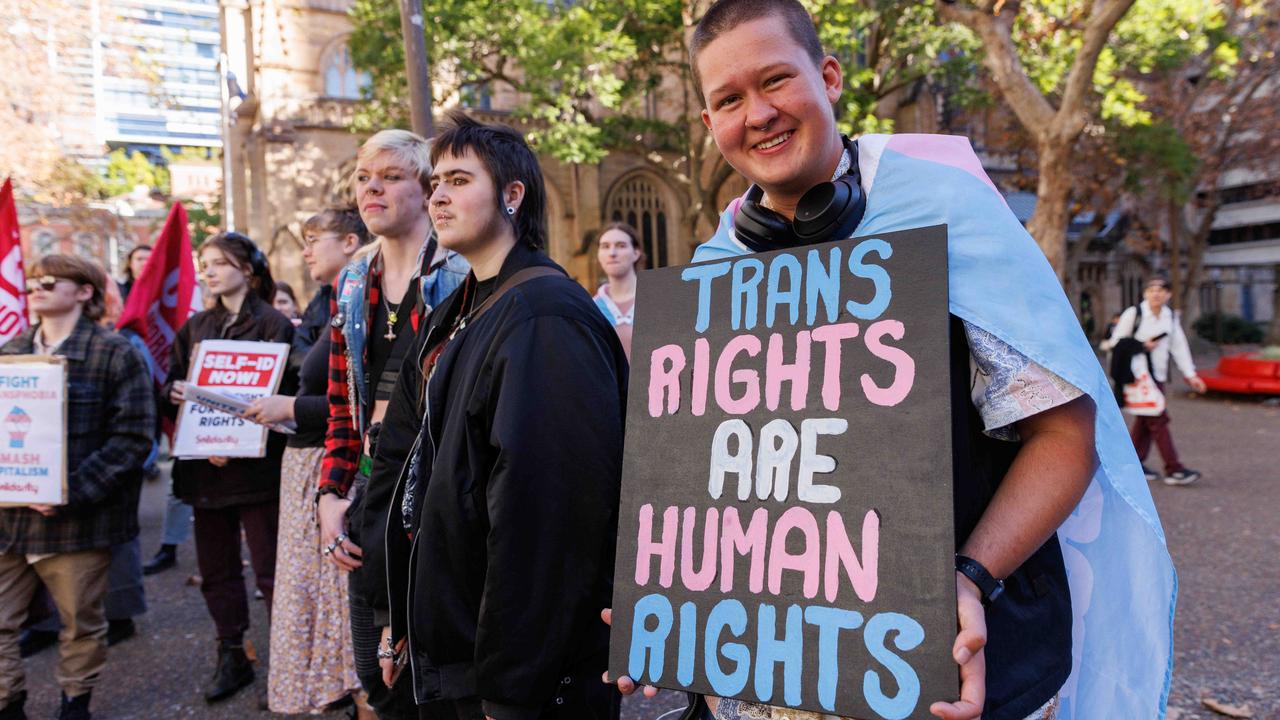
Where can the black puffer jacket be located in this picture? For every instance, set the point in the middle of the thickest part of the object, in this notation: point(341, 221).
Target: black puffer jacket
point(243, 481)
point(519, 465)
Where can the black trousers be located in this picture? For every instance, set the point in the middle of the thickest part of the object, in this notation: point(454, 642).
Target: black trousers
point(396, 702)
point(581, 697)
point(221, 570)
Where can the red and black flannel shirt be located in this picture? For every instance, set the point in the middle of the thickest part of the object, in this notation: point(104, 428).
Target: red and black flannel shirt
point(343, 444)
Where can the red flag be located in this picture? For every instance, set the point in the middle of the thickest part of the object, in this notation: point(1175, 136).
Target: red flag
point(165, 294)
point(13, 276)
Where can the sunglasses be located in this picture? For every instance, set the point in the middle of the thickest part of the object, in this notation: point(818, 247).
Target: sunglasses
point(46, 283)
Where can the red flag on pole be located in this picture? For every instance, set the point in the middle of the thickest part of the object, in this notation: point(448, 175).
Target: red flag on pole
point(165, 294)
point(13, 276)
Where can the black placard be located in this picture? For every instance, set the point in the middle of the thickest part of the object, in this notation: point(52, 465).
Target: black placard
point(785, 531)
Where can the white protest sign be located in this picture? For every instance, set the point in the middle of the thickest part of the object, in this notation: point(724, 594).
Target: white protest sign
point(33, 447)
point(241, 369)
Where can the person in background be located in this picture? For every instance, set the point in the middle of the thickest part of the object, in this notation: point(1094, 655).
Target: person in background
point(110, 419)
point(232, 498)
point(619, 255)
point(134, 262)
point(312, 665)
point(286, 301)
point(1154, 324)
point(326, 226)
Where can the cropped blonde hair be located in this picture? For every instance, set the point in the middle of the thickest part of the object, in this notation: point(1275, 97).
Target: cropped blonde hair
point(409, 149)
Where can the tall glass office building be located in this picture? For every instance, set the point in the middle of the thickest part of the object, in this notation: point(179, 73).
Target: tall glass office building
point(159, 75)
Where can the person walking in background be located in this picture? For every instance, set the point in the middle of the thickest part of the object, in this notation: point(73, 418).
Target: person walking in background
point(619, 255)
point(382, 298)
point(312, 665)
point(109, 425)
point(229, 495)
point(1154, 324)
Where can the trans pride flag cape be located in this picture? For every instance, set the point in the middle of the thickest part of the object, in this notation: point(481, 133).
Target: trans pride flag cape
point(1123, 586)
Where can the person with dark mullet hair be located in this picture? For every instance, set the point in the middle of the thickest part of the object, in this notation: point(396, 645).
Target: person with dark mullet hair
point(504, 442)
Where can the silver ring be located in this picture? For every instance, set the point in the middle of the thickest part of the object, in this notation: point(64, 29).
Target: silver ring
point(339, 540)
point(328, 549)
point(387, 654)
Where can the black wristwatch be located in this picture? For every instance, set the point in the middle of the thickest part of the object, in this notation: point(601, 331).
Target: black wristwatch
point(990, 587)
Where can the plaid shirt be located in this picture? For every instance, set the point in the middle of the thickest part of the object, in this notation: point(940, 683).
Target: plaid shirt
point(343, 443)
point(110, 422)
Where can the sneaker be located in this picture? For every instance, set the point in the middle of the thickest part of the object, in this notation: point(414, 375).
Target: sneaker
point(1185, 476)
point(1152, 475)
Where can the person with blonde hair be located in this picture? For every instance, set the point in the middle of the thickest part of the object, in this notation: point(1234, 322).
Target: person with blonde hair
point(381, 299)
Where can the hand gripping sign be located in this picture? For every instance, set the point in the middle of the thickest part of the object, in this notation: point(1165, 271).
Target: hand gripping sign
point(786, 524)
point(243, 370)
point(33, 445)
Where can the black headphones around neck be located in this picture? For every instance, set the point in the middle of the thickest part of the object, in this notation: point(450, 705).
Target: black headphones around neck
point(828, 211)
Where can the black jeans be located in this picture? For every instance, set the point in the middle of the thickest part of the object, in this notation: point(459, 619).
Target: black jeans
point(581, 697)
point(396, 702)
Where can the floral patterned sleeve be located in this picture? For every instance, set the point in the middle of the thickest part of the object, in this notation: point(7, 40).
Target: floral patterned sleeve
point(730, 709)
point(1008, 386)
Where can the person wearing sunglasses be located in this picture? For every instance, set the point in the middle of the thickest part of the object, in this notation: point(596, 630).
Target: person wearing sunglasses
point(110, 418)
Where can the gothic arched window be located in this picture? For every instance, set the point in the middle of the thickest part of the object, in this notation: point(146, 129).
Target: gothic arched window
point(639, 203)
point(341, 79)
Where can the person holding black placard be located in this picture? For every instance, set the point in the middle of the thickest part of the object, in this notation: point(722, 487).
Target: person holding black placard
point(231, 494)
point(500, 547)
point(1027, 391)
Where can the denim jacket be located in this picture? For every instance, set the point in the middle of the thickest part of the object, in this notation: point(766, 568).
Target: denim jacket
point(436, 285)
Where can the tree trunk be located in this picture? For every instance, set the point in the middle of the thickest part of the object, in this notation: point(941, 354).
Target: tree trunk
point(1175, 253)
point(1048, 224)
point(416, 67)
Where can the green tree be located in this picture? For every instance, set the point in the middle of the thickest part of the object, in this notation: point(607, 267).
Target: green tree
point(1067, 68)
point(125, 171)
point(596, 76)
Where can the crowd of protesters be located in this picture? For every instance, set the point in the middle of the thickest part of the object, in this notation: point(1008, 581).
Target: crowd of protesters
point(427, 544)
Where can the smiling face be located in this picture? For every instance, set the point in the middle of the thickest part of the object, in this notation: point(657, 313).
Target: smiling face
point(617, 254)
point(464, 204)
point(390, 198)
point(769, 108)
point(221, 275)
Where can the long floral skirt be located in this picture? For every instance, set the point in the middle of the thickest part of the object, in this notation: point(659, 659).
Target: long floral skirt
point(311, 660)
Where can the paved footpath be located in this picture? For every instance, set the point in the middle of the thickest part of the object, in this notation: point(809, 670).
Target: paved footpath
point(1223, 534)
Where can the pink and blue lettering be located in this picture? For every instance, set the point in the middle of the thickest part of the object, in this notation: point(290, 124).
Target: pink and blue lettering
point(1122, 582)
